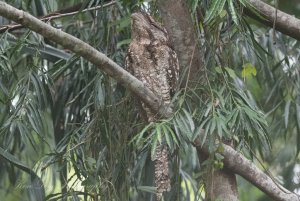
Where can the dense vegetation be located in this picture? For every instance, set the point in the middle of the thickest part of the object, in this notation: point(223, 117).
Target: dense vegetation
point(70, 131)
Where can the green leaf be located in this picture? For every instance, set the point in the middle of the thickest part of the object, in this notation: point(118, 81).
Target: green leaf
point(123, 42)
point(194, 5)
point(205, 133)
point(91, 161)
point(212, 126)
point(298, 127)
point(183, 127)
point(214, 10)
point(123, 23)
point(233, 12)
point(197, 132)
point(219, 127)
point(190, 120)
point(139, 136)
point(230, 72)
point(219, 157)
point(153, 148)
point(167, 136)
point(158, 132)
point(209, 107)
point(41, 89)
point(149, 189)
point(248, 70)
point(36, 185)
point(174, 138)
point(286, 112)
point(218, 69)
point(221, 148)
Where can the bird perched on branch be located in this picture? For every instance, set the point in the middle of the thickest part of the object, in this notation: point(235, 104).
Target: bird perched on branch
point(151, 59)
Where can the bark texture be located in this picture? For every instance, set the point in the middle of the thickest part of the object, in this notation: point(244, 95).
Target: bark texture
point(233, 160)
point(162, 178)
point(221, 186)
point(284, 22)
point(178, 22)
point(155, 63)
point(237, 163)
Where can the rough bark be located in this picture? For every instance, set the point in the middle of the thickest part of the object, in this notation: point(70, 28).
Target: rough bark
point(284, 22)
point(237, 163)
point(151, 60)
point(162, 174)
point(178, 22)
point(221, 185)
point(232, 159)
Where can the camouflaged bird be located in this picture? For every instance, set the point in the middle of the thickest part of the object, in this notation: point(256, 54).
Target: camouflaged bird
point(151, 59)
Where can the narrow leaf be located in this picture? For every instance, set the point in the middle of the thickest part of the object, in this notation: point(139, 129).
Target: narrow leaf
point(286, 112)
point(37, 187)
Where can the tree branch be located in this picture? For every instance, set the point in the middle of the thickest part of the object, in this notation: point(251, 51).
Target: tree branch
point(56, 15)
point(284, 22)
point(232, 159)
point(237, 163)
point(88, 52)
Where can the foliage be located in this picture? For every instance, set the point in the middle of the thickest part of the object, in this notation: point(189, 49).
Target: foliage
point(70, 126)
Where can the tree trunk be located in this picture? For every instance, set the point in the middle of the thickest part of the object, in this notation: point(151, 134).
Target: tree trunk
point(221, 185)
point(178, 22)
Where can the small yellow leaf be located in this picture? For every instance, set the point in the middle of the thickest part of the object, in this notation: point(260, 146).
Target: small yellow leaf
point(248, 70)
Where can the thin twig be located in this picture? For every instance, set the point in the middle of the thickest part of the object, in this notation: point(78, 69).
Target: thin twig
point(53, 16)
point(274, 22)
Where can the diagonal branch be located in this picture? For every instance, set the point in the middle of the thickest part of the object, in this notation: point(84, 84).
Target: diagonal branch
point(237, 163)
point(284, 22)
point(232, 159)
point(88, 52)
point(56, 15)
